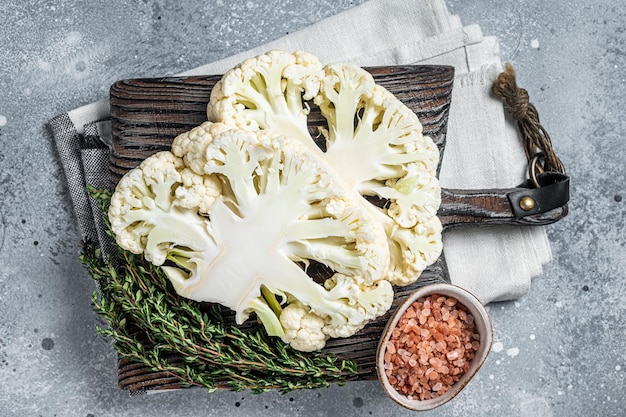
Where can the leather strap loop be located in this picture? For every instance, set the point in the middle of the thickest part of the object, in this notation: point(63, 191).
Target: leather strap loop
point(553, 193)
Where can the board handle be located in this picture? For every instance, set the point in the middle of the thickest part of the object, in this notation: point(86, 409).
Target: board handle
point(524, 205)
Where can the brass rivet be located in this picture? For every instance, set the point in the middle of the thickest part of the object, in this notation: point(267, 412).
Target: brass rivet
point(527, 203)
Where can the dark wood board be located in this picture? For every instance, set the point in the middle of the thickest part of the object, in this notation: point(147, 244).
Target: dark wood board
point(148, 113)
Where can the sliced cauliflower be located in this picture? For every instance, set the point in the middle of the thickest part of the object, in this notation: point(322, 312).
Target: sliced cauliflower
point(278, 209)
point(376, 144)
point(373, 141)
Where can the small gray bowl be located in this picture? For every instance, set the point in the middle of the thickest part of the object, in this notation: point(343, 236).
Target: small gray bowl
point(483, 327)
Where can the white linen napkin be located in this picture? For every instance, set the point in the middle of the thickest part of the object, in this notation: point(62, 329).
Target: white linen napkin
point(483, 149)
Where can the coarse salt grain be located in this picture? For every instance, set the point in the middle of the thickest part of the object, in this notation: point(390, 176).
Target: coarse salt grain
point(431, 347)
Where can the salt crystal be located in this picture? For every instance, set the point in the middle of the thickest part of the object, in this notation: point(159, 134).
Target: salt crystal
point(450, 301)
point(452, 355)
point(435, 362)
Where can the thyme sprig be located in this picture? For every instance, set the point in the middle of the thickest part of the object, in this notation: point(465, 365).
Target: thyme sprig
point(151, 324)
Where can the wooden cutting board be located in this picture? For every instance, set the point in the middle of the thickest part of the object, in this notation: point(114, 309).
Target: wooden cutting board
point(147, 114)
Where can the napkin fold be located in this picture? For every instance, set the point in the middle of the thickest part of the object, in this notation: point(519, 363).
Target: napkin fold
point(483, 148)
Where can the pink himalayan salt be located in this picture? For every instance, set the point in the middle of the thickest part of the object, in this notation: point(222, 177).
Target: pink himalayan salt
point(431, 347)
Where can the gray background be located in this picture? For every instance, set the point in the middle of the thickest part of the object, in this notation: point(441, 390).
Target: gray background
point(559, 350)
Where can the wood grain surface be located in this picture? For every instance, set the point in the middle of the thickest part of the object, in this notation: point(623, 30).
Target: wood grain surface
point(148, 113)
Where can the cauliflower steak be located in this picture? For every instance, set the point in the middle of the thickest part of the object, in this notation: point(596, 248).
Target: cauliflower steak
point(373, 142)
point(272, 208)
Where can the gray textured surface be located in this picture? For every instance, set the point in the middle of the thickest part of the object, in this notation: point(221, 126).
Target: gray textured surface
point(559, 350)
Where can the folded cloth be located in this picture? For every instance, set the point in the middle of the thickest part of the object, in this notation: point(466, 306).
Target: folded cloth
point(483, 149)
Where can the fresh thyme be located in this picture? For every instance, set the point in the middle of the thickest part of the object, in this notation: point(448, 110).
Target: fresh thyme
point(151, 324)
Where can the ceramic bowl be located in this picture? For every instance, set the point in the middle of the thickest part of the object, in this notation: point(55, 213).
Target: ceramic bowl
point(483, 327)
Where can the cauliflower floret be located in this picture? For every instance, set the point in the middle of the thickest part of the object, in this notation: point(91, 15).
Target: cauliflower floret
point(371, 302)
point(308, 329)
point(414, 198)
point(414, 249)
point(267, 92)
point(303, 329)
point(197, 191)
point(155, 200)
point(192, 145)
